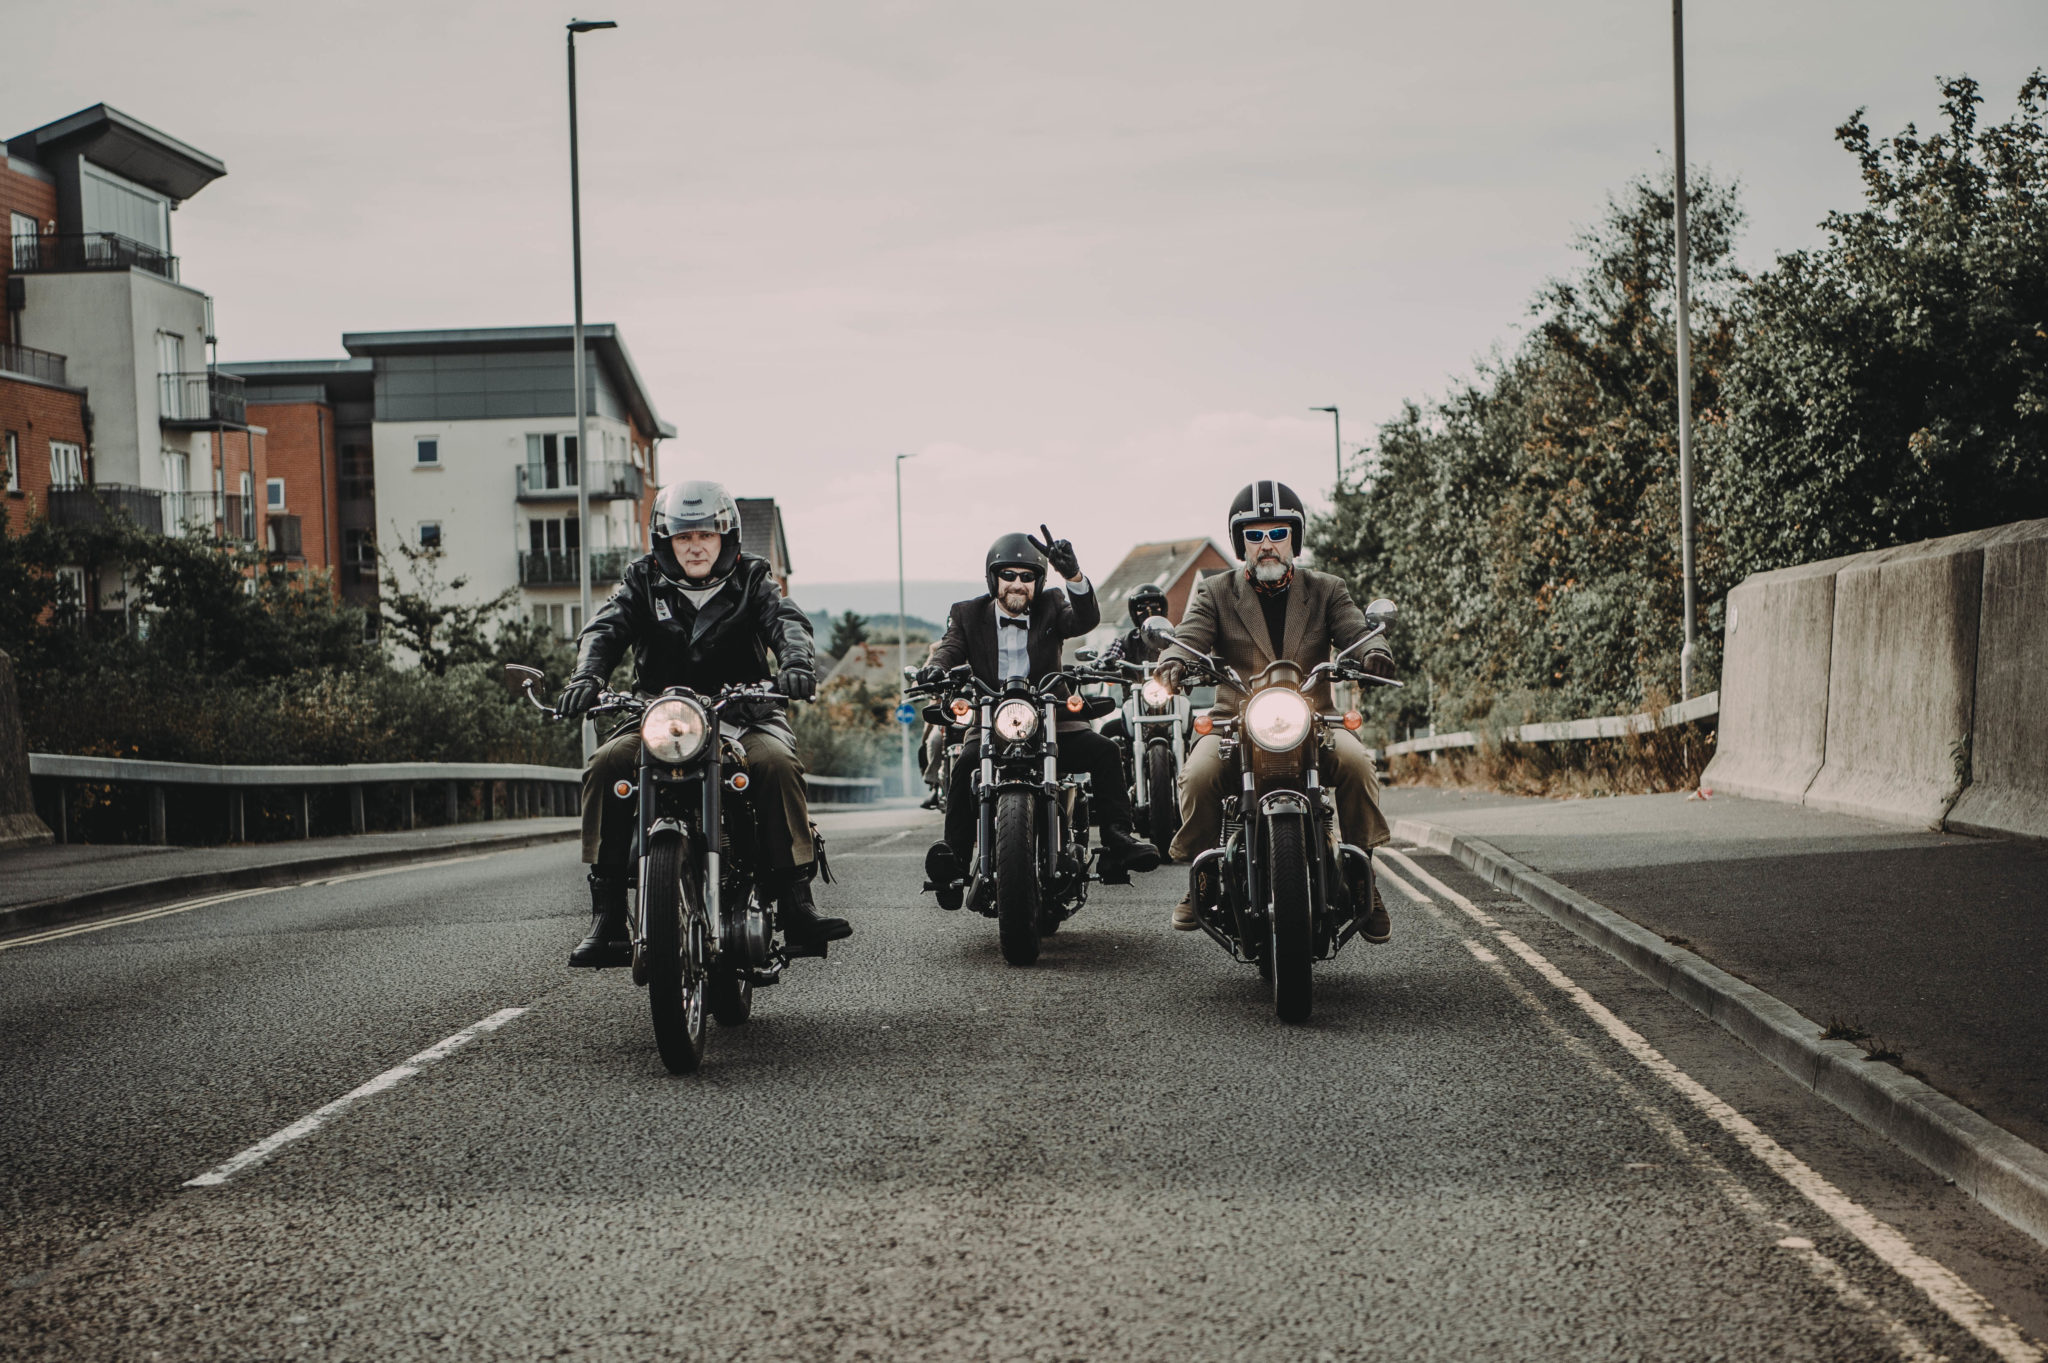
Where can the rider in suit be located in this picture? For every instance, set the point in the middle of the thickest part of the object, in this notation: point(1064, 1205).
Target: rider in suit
point(1019, 629)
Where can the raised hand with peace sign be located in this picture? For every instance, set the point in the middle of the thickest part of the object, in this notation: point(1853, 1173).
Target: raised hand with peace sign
point(1059, 553)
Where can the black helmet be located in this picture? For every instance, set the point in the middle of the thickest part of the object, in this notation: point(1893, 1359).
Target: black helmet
point(1012, 551)
point(1266, 500)
point(695, 505)
point(1146, 601)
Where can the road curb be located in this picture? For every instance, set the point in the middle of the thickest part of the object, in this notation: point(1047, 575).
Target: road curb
point(138, 894)
point(2000, 1170)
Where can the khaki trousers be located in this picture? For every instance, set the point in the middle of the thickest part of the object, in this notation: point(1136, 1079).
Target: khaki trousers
point(1346, 768)
point(775, 776)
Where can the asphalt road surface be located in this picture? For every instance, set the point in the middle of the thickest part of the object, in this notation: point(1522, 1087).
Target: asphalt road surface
point(1491, 1143)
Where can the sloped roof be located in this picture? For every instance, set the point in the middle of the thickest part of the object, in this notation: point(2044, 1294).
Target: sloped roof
point(874, 664)
point(1161, 563)
point(125, 145)
point(761, 532)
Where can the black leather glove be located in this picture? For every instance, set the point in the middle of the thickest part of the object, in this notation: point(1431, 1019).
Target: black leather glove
point(798, 683)
point(576, 698)
point(1378, 663)
point(1171, 673)
point(930, 676)
point(1059, 553)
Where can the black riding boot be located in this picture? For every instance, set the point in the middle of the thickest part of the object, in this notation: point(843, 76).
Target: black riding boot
point(609, 942)
point(1124, 852)
point(1373, 924)
point(801, 925)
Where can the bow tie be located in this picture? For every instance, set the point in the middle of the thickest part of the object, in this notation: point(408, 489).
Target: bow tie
point(1013, 622)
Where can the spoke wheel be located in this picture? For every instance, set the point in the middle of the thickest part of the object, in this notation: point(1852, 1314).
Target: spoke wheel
point(1016, 861)
point(677, 947)
point(1293, 946)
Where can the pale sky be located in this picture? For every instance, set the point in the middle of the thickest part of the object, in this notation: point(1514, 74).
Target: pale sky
point(1091, 262)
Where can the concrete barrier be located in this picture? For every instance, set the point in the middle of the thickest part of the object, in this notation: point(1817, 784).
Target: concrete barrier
point(2008, 790)
point(1774, 683)
point(1902, 679)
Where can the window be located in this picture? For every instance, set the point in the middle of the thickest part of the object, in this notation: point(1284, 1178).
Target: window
point(550, 461)
point(70, 593)
point(430, 535)
point(553, 536)
point(110, 203)
point(359, 555)
point(426, 452)
point(13, 451)
point(67, 464)
point(248, 506)
point(273, 493)
point(177, 467)
point(27, 234)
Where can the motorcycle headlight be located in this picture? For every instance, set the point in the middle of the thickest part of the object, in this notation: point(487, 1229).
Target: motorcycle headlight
point(1156, 695)
point(673, 729)
point(1277, 719)
point(1016, 720)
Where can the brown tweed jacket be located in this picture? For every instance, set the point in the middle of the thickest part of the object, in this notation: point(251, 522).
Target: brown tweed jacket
point(1224, 618)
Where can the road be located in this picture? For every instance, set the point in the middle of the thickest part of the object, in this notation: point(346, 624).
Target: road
point(1491, 1143)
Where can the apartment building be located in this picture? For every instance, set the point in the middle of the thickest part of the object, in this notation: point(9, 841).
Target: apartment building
point(109, 404)
point(465, 441)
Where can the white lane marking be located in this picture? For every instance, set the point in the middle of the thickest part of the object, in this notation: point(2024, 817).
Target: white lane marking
point(884, 842)
point(408, 866)
point(313, 1121)
point(1956, 1298)
point(141, 915)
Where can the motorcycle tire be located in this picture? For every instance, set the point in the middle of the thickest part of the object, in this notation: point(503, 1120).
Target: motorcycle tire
point(1163, 808)
point(676, 948)
point(1017, 876)
point(1294, 935)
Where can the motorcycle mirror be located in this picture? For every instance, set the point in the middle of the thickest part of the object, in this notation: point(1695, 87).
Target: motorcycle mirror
point(519, 677)
point(1086, 655)
point(1157, 629)
point(1381, 609)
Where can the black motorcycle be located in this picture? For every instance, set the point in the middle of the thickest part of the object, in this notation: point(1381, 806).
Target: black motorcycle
point(1281, 891)
point(704, 936)
point(1152, 728)
point(1032, 863)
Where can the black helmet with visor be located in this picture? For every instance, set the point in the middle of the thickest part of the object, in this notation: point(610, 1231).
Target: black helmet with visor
point(1145, 602)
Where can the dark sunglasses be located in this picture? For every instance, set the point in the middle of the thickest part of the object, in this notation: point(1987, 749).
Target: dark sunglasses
point(1277, 536)
point(1016, 575)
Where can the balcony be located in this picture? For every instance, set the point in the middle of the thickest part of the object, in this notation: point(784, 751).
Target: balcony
point(283, 534)
point(202, 401)
point(106, 504)
point(557, 568)
point(218, 515)
point(608, 481)
point(46, 365)
point(69, 252)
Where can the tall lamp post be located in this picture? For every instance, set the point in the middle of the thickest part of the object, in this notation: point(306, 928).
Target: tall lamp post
point(902, 616)
point(1337, 422)
point(1684, 252)
point(577, 26)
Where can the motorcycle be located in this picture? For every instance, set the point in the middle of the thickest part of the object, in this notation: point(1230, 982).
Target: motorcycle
point(1281, 890)
point(1153, 734)
point(1032, 862)
point(704, 935)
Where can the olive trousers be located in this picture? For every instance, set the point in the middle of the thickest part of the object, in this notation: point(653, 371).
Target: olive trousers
point(775, 783)
point(1346, 769)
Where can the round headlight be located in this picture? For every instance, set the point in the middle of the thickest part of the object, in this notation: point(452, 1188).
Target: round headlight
point(1016, 720)
point(673, 729)
point(1156, 693)
point(1277, 719)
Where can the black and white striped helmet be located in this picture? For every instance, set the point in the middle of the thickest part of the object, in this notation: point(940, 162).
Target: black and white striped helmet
point(1266, 500)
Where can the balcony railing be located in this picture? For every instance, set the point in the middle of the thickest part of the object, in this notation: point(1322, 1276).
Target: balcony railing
point(67, 252)
point(608, 480)
point(203, 399)
point(282, 531)
point(221, 515)
point(46, 365)
point(557, 568)
point(104, 503)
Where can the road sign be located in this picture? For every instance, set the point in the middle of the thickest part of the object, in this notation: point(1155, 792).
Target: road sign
point(906, 713)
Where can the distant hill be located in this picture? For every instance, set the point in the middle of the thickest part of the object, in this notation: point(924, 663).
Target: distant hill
point(821, 625)
point(926, 600)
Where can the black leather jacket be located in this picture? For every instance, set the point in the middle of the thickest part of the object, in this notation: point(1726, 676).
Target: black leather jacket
point(675, 644)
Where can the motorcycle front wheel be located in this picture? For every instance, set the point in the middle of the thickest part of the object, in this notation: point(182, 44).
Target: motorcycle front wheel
point(1162, 796)
point(677, 945)
point(1016, 858)
point(1293, 946)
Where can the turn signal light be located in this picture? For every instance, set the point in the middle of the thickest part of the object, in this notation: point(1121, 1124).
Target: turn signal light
point(623, 789)
point(738, 780)
point(1352, 719)
point(1074, 704)
point(961, 709)
point(1203, 724)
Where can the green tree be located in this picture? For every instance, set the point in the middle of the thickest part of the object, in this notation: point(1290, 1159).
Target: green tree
point(1892, 385)
point(848, 630)
point(427, 617)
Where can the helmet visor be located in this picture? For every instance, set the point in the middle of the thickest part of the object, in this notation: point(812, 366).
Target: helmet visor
point(685, 507)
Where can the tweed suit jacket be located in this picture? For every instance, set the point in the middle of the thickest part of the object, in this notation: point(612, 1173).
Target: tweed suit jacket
point(1224, 618)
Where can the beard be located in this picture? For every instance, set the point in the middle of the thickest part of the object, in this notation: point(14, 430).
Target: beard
point(1014, 599)
point(1269, 569)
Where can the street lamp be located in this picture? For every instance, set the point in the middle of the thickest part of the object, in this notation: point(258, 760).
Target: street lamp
point(577, 26)
point(902, 635)
point(1338, 423)
point(1684, 252)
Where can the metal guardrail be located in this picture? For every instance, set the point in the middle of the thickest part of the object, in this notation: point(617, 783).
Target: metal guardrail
point(557, 568)
point(609, 479)
point(1573, 730)
point(843, 790)
point(202, 398)
point(65, 252)
point(532, 789)
point(100, 503)
point(46, 365)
